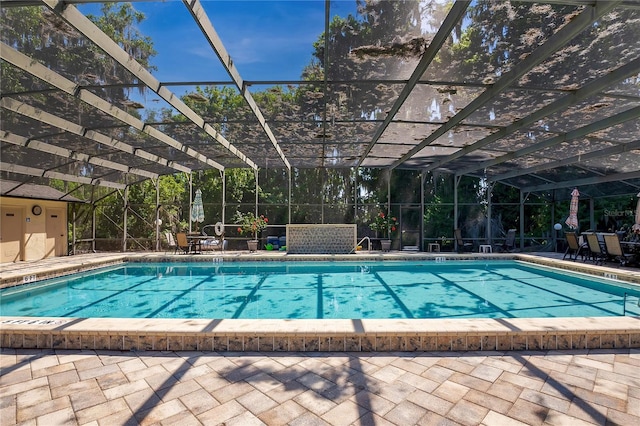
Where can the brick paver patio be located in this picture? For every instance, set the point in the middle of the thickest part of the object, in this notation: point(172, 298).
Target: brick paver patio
point(46, 387)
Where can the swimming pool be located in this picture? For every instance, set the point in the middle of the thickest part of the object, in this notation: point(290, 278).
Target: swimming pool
point(323, 290)
point(311, 335)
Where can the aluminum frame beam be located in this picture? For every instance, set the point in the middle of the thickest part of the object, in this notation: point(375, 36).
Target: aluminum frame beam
point(32, 171)
point(244, 84)
point(84, 26)
point(632, 4)
point(200, 16)
point(582, 182)
point(589, 89)
point(613, 150)
point(37, 145)
point(53, 120)
point(455, 14)
point(555, 42)
point(40, 71)
point(630, 114)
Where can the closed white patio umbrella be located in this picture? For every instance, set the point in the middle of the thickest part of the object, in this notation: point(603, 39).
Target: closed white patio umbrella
point(197, 209)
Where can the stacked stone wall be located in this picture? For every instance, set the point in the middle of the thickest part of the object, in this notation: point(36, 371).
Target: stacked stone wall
point(321, 239)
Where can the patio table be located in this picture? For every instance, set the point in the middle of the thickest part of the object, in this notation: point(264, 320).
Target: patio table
point(195, 242)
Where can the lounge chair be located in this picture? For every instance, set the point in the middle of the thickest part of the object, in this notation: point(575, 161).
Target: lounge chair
point(574, 248)
point(596, 251)
point(216, 242)
point(182, 242)
point(614, 248)
point(462, 245)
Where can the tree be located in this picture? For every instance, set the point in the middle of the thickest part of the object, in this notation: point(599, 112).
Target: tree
point(42, 35)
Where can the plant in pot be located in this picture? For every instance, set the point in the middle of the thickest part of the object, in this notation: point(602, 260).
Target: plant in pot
point(384, 225)
point(250, 224)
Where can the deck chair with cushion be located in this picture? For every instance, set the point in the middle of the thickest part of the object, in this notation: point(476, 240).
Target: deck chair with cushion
point(462, 245)
point(171, 241)
point(614, 248)
point(574, 247)
point(216, 242)
point(182, 242)
point(596, 252)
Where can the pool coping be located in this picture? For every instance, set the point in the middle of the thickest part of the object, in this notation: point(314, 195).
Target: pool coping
point(309, 335)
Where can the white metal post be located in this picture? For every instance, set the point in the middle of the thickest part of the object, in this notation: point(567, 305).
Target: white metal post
point(124, 219)
point(290, 192)
point(223, 176)
point(255, 174)
point(190, 198)
point(423, 176)
point(489, 210)
point(157, 222)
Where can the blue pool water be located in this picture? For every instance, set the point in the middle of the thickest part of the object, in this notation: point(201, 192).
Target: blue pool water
point(452, 289)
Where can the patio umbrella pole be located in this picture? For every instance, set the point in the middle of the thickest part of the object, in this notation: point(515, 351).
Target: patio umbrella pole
point(636, 226)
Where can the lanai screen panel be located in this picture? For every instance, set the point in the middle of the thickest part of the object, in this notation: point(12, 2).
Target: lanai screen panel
point(499, 90)
point(436, 103)
point(598, 50)
point(529, 96)
point(511, 105)
point(563, 73)
point(486, 58)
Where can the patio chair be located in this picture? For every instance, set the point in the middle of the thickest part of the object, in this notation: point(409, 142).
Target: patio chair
point(171, 241)
point(510, 241)
point(182, 242)
point(596, 251)
point(462, 245)
point(575, 248)
point(614, 248)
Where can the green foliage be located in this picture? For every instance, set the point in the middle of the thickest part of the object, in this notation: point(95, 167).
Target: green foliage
point(374, 185)
point(241, 187)
point(119, 21)
point(19, 25)
point(42, 35)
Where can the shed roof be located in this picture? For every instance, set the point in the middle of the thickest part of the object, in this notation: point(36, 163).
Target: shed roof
point(35, 192)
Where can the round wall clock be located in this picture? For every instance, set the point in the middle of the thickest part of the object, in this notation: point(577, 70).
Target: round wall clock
point(36, 210)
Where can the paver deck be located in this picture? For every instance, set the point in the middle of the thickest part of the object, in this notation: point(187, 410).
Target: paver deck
point(46, 387)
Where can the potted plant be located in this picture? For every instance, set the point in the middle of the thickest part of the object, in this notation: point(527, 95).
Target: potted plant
point(384, 225)
point(250, 224)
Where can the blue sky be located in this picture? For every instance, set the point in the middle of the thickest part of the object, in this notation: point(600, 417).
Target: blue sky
point(267, 40)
